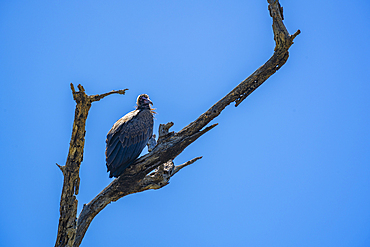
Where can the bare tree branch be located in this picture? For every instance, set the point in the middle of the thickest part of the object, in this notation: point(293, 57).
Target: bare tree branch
point(100, 96)
point(68, 202)
point(161, 175)
point(153, 170)
point(179, 167)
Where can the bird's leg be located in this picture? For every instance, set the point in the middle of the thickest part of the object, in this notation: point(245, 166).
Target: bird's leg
point(151, 143)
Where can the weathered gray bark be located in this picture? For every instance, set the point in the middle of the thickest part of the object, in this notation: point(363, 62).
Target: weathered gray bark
point(71, 170)
point(140, 176)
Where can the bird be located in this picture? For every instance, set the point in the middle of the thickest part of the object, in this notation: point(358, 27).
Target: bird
point(128, 136)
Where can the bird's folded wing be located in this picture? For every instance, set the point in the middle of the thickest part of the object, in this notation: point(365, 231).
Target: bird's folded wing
point(128, 139)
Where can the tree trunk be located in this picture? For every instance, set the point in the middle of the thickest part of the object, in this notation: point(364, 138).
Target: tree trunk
point(153, 170)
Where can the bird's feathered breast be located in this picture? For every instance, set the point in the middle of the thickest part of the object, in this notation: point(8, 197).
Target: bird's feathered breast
point(127, 139)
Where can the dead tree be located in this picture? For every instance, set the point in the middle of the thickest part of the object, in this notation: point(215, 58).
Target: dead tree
point(153, 170)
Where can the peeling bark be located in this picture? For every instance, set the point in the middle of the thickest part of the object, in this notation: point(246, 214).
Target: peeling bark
point(153, 170)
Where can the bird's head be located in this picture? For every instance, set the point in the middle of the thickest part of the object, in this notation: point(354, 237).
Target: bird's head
point(143, 102)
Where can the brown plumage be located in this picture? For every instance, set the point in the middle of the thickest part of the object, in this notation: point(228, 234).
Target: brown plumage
point(128, 137)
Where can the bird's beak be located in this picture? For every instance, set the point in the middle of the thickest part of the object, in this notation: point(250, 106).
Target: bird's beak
point(148, 101)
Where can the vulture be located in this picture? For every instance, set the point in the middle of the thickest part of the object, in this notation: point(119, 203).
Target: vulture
point(128, 137)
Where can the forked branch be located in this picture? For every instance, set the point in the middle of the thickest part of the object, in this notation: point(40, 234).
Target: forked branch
point(153, 170)
point(68, 203)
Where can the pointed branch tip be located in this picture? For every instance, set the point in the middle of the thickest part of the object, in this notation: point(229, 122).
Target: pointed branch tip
point(292, 37)
point(179, 167)
point(101, 96)
point(60, 167)
point(81, 88)
point(208, 128)
point(73, 88)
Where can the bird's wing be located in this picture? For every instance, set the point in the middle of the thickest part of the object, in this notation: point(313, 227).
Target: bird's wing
point(127, 139)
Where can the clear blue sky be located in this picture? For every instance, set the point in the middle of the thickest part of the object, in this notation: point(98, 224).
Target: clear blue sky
point(289, 167)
